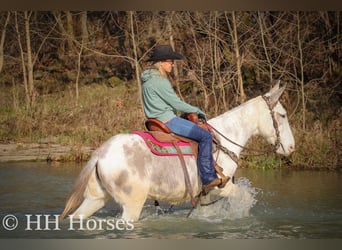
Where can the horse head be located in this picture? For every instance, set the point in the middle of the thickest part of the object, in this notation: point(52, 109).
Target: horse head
point(273, 123)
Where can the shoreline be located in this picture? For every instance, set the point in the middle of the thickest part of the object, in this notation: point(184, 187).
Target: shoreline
point(12, 152)
point(54, 152)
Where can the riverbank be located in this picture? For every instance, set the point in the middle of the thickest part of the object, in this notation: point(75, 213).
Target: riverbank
point(59, 129)
point(43, 152)
point(51, 151)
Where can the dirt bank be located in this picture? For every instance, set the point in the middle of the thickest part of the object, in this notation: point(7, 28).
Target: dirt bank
point(42, 152)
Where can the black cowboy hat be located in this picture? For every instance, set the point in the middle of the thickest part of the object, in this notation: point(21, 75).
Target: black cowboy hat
point(164, 52)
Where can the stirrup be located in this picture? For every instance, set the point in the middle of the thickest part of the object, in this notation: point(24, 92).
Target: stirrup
point(223, 183)
point(218, 182)
point(224, 179)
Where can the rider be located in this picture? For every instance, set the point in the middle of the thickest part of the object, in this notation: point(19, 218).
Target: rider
point(161, 102)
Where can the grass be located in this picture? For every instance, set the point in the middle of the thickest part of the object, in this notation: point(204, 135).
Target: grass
point(100, 112)
point(104, 111)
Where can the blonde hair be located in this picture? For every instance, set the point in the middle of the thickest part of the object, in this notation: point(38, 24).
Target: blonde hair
point(162, 72)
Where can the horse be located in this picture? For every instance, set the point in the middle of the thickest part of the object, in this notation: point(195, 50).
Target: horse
point(125, 169)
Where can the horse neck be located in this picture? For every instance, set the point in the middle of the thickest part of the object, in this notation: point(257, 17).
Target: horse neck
point(239, 124)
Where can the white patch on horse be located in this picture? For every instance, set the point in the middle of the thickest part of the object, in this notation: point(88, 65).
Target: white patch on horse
point(137, 157)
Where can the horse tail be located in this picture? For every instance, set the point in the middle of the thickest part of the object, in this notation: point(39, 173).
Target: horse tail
point(76, 195)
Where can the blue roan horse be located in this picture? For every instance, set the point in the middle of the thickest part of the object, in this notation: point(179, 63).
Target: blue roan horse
point(124, 168)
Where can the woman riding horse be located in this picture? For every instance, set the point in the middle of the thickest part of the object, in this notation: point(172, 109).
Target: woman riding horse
point(161, 102)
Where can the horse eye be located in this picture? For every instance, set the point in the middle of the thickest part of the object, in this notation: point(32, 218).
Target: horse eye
point(283, 116)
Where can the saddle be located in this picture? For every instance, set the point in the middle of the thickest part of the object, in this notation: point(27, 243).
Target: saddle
point(162, 133)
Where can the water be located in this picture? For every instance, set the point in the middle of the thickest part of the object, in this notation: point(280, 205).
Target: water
point(266, 204)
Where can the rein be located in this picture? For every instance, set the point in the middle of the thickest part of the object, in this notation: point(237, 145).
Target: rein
point(277, 144)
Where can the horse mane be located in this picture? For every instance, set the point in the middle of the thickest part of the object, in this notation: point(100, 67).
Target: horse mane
point(239, 107)
point(242, 105)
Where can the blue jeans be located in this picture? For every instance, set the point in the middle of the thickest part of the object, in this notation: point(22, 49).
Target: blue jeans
point(204, 138)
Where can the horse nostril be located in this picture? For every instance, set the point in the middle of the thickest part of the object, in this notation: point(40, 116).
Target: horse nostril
point(291, 148)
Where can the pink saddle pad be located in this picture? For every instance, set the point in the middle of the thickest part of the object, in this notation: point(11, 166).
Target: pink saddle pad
point(163, 148)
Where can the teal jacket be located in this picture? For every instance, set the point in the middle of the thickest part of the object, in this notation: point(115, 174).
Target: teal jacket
point(159, 99)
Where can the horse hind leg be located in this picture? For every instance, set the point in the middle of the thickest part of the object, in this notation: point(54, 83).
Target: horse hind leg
point(127, 190)
point(131, 194)
point(132, 200)
point(95, 197)
point(132, 209)
point(88, 208)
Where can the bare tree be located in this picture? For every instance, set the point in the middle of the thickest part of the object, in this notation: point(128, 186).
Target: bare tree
point(136, 62)
point(212, 43)
point(196, 72)
point(2, 40)
point(84, 28)
point(235, 38)
point(265, 47)
point(79, 57)
point(26, 59)
point(27, 16)
point(70, 32)
point(221, 48)
point(63, 34)
point(332, 40)
point(300, 50)
point(172, 43)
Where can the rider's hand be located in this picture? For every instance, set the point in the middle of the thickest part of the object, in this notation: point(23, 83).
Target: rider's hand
point(201, 116)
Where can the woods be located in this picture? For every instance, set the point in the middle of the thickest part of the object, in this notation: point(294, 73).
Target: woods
point(75, 75)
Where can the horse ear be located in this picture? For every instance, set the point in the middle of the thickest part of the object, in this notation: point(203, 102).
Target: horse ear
point(276, 94)
point(275, 88)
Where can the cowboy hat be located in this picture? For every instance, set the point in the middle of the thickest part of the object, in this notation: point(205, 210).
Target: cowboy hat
point(164, 52)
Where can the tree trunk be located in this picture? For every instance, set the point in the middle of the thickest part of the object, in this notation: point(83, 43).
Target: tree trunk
point(200, 55)
point(84, 28)
point(61, 50)
point(23, 64)
point(136, 63)
point(301, 69)
point(30, 81)
point(217, 63)
point(70, 32)
point(78, 72)
point(172, 43)
point(212, 45)
point(265, 47)
point(241, 91)
point(2, 40)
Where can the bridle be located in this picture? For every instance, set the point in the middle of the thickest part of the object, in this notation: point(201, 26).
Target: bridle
point(276, 145)
point(275, 123)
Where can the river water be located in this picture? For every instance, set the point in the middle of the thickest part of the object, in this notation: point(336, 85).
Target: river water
point(268, 204)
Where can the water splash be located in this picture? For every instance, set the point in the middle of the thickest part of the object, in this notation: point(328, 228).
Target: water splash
point(241, 198)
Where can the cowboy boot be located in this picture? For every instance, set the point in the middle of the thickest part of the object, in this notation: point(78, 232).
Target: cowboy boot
point(219, 171)
point(218, 182)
